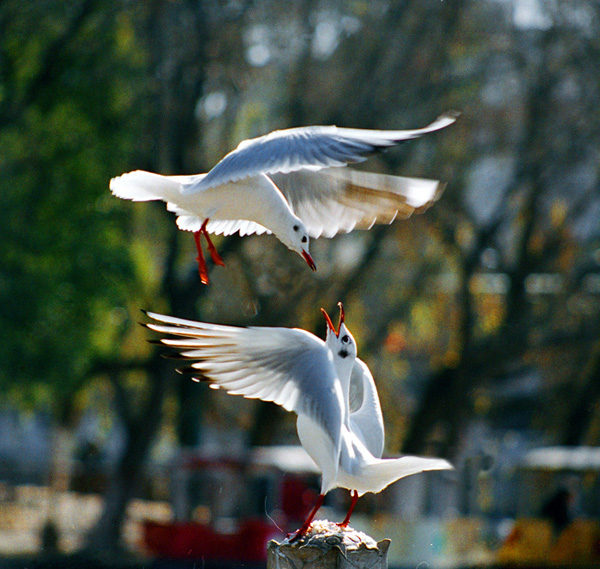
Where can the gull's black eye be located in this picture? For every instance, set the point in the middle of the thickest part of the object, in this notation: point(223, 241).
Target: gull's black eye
point(304, 239)
point(296, 227)
point(345, 339)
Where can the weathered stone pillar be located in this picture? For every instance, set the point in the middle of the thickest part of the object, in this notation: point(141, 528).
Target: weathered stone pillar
point(327, 546)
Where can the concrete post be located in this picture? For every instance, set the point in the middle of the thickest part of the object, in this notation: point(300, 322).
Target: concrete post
point(327, 546)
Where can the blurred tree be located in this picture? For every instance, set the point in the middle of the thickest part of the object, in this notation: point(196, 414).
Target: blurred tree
point(63, 246)
point(524, 236)
point(501, 274)
point(173, 35)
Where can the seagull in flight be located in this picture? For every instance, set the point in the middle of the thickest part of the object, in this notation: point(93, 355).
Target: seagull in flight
point(332, 392)
point(289, 183)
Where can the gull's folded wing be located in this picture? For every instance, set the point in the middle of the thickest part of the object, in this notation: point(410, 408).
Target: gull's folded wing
point(366, 419)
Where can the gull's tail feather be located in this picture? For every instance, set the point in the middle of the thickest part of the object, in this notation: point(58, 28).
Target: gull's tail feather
point(380, 473)
point(142, 186)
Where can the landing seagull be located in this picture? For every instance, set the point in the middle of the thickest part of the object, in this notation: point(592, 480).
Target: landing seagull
point(339, 423)
point(289, 183)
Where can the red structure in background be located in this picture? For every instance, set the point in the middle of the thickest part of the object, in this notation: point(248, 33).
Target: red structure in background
point(288, 468)
point(189, 540)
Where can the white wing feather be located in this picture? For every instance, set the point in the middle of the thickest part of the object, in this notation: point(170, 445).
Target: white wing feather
point(188, 221)
point(231, 226)
point(306, 148)
point(366, 419)
point(337, 200)
point(289, 367)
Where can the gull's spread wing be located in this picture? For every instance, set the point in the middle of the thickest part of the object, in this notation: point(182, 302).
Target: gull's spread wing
point(338, 200)
point(289, 367)
point(306, 148)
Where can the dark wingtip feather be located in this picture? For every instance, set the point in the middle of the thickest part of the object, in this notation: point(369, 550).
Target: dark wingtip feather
point(175, 356)
point(186, 369)
point(196, 374)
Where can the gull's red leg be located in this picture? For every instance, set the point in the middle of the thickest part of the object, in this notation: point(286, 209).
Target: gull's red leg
point(211, 248)
point(202, 270)
point(346, 521)
point(306, 525)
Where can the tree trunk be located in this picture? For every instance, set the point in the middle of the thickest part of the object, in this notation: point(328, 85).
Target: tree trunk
point(180, 76)
point(586, 402)
point(129, 473)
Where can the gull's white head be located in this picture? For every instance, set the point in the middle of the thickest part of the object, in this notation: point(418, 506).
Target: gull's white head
point(340, 341)
point(295, 237)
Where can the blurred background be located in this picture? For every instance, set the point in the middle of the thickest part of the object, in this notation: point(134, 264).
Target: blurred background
point(480, 319)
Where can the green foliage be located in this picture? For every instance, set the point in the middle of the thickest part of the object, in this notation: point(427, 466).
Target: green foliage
point(65, 129)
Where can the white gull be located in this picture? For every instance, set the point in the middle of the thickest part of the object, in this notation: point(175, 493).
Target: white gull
point(289, 183)
point(339, 423)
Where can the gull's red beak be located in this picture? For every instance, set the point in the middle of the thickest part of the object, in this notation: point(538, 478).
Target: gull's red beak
point(330, 323)
point(342, 315)
point(309, 260)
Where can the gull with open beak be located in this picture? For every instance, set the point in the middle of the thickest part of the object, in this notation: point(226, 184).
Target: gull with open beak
point(289, 183)
point(332, 391)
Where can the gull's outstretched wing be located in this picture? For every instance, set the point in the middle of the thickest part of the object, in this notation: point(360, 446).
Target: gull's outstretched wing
point(289, 367)
point(338, 200)
point(366, 419)
point(306, 148)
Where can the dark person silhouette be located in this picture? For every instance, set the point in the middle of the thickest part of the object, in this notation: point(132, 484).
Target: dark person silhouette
point(558, 509)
